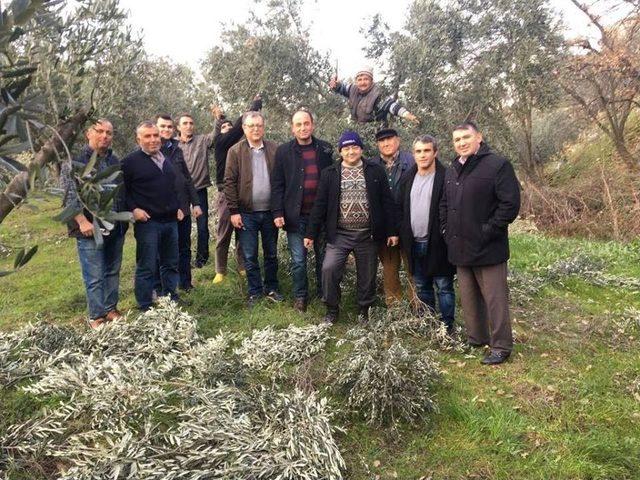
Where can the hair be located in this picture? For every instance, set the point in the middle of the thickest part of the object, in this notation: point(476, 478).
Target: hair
point(251, 114)
point(225, 121)
point(183, 114)
point(99, 121)
point(466, 125)
point(426, 139)
point(164, 116)
point(305, 110)
point(145, 124)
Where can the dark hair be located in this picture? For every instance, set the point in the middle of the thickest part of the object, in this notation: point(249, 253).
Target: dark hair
point(466, 125)
point(164, 116)
point(305, 110)
point(183, 114)
point(224, 122)
point(427, 139)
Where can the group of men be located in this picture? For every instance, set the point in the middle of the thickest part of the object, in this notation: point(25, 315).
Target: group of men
point(400, 206)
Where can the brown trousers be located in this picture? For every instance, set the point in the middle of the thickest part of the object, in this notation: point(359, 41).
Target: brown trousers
point(224, 231)
point(484, 295)
point(391, 257)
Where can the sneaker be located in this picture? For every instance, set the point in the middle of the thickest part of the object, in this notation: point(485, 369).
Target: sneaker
point(275, 296)
point(253, 300)
point(300, 304)
point(495, 358)
point(219, 278)
point(154, 297)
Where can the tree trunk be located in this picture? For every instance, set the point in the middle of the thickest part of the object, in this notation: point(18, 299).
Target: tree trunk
point(626, 156)
point(17, 189)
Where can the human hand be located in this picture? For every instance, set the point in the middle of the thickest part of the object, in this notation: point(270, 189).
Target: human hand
point(308, 243)
point(196, 211)
point(86, 227)
point(236, 221)
point(393, 241)
point(180, 215)
point(278, 222)
point(139, 215)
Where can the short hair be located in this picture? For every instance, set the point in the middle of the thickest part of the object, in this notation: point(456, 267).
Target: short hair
point(145, 124)
point(225, 121)
point(304, 110)
point(251, 114)
point(164, 116)
point(183, 114)
point(466, 125)
point(100, 120)
point(426, 139)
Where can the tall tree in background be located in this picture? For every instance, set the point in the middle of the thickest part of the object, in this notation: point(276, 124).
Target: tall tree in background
point(603, 77)
point(272, 55)
point(472, 59)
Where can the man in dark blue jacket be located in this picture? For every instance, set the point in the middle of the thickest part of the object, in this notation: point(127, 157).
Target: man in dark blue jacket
point(481, 198)
point(355, 205)
point(100, 264)
point(149, 181)
point(187, 197)
point(294, 185)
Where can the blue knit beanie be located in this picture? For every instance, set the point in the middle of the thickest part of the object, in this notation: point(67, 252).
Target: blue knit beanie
point(349, 138)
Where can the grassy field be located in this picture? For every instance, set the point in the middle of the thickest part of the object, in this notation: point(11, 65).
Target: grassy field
point(566, 406)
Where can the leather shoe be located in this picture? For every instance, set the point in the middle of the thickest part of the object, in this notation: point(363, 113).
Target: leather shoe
point(331, 317)
point(495, 358)
point(97, 323)
point(113, 315)
point(300, 305)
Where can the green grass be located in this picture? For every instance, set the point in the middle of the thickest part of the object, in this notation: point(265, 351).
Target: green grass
point(560, 409)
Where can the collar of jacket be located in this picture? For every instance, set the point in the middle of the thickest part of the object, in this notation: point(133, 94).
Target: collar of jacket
point(314, 143)
point(483, 151)
point(403, 157)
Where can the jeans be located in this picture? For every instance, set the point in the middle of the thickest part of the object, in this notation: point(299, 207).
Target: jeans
point(101, 272)
point(295, 241)
point(202, 222)
point(224, 232)
point(424, 285)
point(260, 223)
point(184, 257)
point(155, 240)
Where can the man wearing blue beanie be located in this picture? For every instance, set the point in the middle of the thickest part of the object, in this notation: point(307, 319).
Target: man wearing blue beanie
point(355, 205)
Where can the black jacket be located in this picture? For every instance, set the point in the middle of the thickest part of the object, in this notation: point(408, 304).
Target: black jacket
point(481, 198)
point(288, 176)
point(436, 262)
point(383, 211)
point(187, 194)
point(148, 188)
point(222, 142)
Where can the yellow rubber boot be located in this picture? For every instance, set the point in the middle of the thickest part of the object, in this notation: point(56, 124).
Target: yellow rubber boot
point(219, 278)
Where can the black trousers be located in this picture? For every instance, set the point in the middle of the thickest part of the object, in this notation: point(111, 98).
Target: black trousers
point(365, 250)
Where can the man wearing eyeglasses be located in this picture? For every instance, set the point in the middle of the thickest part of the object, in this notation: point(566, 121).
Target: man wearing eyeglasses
point(247, 188)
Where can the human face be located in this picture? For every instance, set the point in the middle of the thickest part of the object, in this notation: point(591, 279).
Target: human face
point(149, 139)
point(302, 127)
point(466, 142)
point(363, 82)
point(100, 136)
point(425, 156)
point(226, 127)
point(254, 129)
point(389, 146)
point(351, 155)
point(186, 126)
point(166, 128)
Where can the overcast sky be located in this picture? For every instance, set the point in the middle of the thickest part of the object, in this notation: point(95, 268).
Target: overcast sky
point(185, 29)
